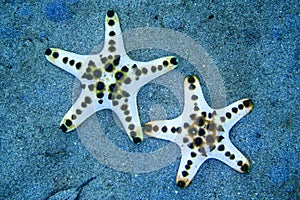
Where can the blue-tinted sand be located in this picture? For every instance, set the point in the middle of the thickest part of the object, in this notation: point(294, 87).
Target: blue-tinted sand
point(255, 46)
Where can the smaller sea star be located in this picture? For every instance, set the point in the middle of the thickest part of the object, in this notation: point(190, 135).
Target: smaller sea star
point(202, 132)
point(109, 80)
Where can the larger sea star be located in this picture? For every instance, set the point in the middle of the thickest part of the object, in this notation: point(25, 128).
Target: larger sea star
point(202, 132)
point(109, 80)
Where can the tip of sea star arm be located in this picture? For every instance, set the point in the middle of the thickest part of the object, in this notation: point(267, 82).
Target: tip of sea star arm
point(110, 13)
point(163, 129)
point(231, 114)
point(231, 156)
point(137, 140)
point(182, 182)
point(160, 66)
point(248, 103)
point(150, 129)
point(172, 61)
point(79, 112)
point(72, 120)
point(190, 163)
point(113, 35)
point(127, 112)
point(144, 72)
point(194, 99)
point(65, 129)
point(70, 62)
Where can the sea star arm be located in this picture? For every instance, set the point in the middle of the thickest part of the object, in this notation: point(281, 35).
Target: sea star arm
point(231, 114)
point(193, 93)
point(230, 155)
point(128, 114)
point(188, 167)
point(113, 35)
point(80, 111)
point(65, 60)
point(142, 73)
point(165, 129)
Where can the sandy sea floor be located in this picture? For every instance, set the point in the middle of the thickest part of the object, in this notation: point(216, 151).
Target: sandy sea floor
point(253, 44)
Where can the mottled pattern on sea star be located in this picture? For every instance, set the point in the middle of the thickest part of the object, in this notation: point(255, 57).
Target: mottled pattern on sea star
point(109, 80)
point(202, 132)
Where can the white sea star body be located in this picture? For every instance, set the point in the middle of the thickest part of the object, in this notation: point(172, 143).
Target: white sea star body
point(109, 80)
point(202, 132)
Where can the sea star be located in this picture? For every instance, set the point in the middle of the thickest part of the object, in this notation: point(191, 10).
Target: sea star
point(202, 132)
point(109, 80)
